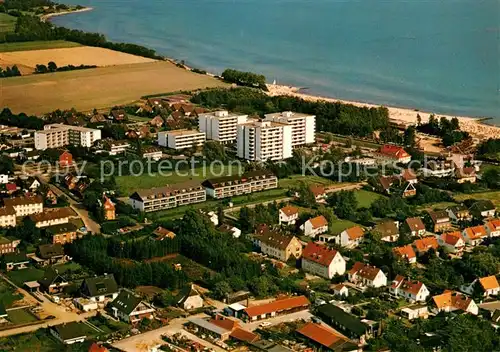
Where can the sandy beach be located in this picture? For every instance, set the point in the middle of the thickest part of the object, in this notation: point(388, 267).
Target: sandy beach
point(408, 116)
point(49, 15)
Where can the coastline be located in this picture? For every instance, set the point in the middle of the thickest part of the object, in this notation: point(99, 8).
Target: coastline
point(46, 17)
point(474, 126)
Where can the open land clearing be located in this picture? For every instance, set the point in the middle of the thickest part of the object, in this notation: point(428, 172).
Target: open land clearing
point(36, 45)
point(97, 88)
point(80, 55)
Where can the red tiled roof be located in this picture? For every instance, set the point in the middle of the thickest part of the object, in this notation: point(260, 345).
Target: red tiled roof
point(318, 221)
point(364, 270)
point(409, 175)
point(244, 335)
point(493, 225)
point(225, 323)
point(393, 151)
point(11, 187)
point(407, 285)
point(489, 283)
point(97, 348)
point(475, 232)
point(452, 299)
point(424, 244)
point(278, 306)
point(320, 334)
point(415, 224)
point(405, 252)
point(319, 254)
point(354, 232)
point(317, 190)
point(452, 238)
point(289, 210)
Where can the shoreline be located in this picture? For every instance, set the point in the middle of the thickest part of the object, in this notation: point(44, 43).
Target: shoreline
point(48, 16)
point(474, 126)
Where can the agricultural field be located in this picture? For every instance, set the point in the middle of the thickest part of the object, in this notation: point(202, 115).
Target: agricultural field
point(98, 88)
point(8, 294)
point(129, 184)
point(80, 55)
point(7, 23)
point(366, 198)
point(21, 316)
point(36, 45)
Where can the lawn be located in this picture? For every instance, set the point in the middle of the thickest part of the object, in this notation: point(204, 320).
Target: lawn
point(7, 23)
point(62, 268)
point(128, 184)
point(366, 198)
point(40, 341)
point(294, 181)
point(19, 277)
point(494, 196)
point(21, 316)
point(8, 294)
point(36, 45)
point(340, 225)
point(98, 88)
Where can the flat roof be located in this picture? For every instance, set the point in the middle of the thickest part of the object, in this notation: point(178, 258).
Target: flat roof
point(32, 284)
point(184, 132)
point(208, 325)
point(237, 306)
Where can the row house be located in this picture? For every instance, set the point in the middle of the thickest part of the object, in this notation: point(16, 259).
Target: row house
point(52, 217)
point(315, 226)
point(25, 205)
point(7, 217)
point(155, 199)
point(366, 275)
point(322, 261)
point(288, 215)
point(413, 291)
point(230, 186)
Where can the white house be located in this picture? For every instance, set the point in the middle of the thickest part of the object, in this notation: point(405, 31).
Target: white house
point(415, 312)
point(232, 230)
point(474, 235)
point(190, 299)
point(214, 218)
point(100, 288)
point(322, 261)
point(483, 209)
point(452, 242)
point(413, 291)
point(4, 178)
point(288, 215)
point(366, 275)
point(130, 308)
point(315, 226)
point(493, 228)
point(450, 301)
point(350, 237)
point(340, 290)
point(488, 285)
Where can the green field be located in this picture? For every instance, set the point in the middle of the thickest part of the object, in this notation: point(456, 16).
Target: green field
point(7, 23)
point(8, 294)
point(21, 316)
point(128, 184)
point(366, 198)
point(19, 277)
point(494, 196)
point(36, 45)
point(294, 181)
point(340, 225)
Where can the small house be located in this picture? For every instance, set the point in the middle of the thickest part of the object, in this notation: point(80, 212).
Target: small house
point(483, 209)
point(288, 215)
point(351, 237)
point(70, 333)
point(99, 288)
point(366, 275)
point(130, 308)
point(315, 226)
point(190, 298)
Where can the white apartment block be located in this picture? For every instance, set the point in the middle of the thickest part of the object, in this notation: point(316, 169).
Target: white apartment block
point(229, 186)
point(220, 125)
point(303, 126)
point(264, 140)
point(181, 139)
point(168, 197)
point(24, 206)
point(58, 135)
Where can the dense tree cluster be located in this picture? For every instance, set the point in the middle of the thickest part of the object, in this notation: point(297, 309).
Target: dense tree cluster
point(448, 130)
point(140, 249)
point(52, 67)
point(9, 72)
point(260, 214)
point(241, 78)
point(337, 117)
point(489, 149)
point(26, 5)
point(20, 120)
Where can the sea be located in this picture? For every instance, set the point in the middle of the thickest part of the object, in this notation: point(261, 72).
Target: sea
point(433, 55)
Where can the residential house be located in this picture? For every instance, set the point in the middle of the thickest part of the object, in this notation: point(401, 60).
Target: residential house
point(348, 324)
point(277, 245)
point(474, 235)
point(459, 213)
point(366, 275)
point(493, 228)
point(29, 183)
point(340, 290)
point(63, 233)
point(423, 245)
point(51, 197)
point(350, 237)
point(280, 306)
point(452, 242)
point(413, 291)
point(15, 261)
point(130, 308)
point(189, 298)
point(114, 147)
point(52, 283)
point(97, 118)
point(51, 254)
point(450, 301)
point(162, 233)
point(466, 174)
point(405, 253)
point(51, 217)
point(118, 115)
point(231, 230)
point(288, 215)
point(315, 226)
point(25, 205)
point(414, 227)
point(319, 193)
point(483, 209)
point(8, 245)
point(7, 217)
point(70, 333)
point(390, 153)
point(327, 339)
point(408, 190)
point(415, 312)
point(322, 261)
point(440, 221)
point(65, 159)
point(156, 121)
point(109, 209)
point(409, 176)
point(487, 285)
point(387, 230)
point(99, 288)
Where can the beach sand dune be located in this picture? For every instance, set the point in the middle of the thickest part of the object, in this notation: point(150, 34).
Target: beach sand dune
point(408, 116)
point(81, 55)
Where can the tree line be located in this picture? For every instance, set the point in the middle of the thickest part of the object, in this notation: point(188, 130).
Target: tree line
point(9, 72)
point(448, 130)
point(337, 117)
point(248, 79)
point(20, 120)
point(52, 67)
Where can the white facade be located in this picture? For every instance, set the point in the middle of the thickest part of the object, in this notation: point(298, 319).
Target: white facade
point(327, 270)
point(493, 228)
point(303, 126)
point(25, 206)
point(264, 140)
point(58, 135)
point(288, 218)
point(7, 218)
point(411, 291)
point(181, 139)
point(4, 178)
point(220, 125)
point(311, 229)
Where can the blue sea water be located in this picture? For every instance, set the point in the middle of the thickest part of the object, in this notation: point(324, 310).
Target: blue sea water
point(432, 55)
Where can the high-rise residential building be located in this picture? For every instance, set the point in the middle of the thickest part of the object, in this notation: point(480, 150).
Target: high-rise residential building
point(303, 125)
point(58, 135)
point(181, 139)
point(221, 125)
point(264, 140)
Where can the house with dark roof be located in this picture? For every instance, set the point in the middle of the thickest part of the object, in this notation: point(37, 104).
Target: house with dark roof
point(130, 308)
point(483, 209)
point(346, 323)
point(387, 230)
point(99, 288)
point(15, 261)
point(52, 282)
point(63, 233)
point(326, 339)
point(322, 261)
point(51, 254)
point(439, 220)
point(414, 227)
point(70, 333)
point(189, 298)
point(459, 213)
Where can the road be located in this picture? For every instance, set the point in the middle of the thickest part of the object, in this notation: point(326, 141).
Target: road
point(49, 308)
